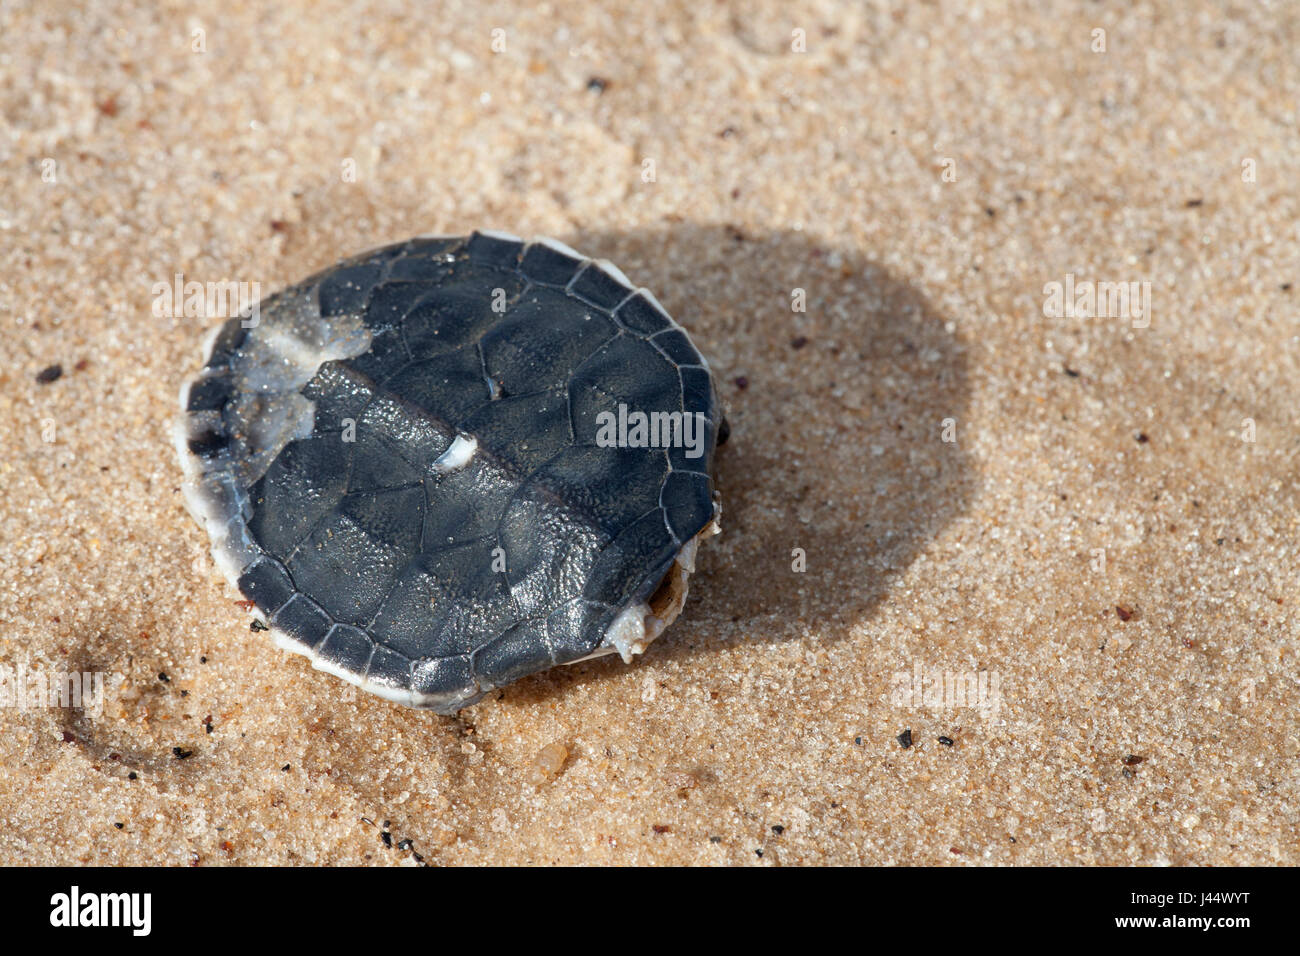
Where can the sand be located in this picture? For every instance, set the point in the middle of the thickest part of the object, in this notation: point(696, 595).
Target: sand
point(1088, 522)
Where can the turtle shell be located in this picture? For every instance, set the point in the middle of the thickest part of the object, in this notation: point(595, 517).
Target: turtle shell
point(447, 463)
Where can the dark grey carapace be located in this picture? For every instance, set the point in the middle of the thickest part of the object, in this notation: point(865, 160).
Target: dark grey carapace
point(429, 467)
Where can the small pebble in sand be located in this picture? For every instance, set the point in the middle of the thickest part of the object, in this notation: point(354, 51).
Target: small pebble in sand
point(51, 373)
point(548, 763)
point(905, 739)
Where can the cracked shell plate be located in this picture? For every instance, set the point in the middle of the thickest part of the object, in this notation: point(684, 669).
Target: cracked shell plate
point(447, 463)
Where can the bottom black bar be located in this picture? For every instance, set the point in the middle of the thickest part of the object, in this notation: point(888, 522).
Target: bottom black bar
point(438, 907)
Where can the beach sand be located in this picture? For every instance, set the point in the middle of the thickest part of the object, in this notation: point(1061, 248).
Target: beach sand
point(1087, 522)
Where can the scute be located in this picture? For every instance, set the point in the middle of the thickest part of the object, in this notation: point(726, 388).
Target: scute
point(642, 313)
point(426, 577)
point(347, 290)
point(494, 249)
point(547, 265)
point(610, 486)
point(303, 620)
point(447, 386)
point(346, 649)
point(633, 563)
point(542, 342)
point(268, 585)
point(347, 570)
point(600, 287)
point(303, 485)
point(525, 431)
point(446, 320)
point(626, 371)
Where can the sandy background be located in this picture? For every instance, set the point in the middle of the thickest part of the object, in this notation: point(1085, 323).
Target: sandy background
point(1095, 465)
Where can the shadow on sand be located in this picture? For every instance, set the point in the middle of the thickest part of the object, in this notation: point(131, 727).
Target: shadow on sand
point(837, 423)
